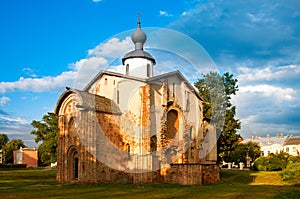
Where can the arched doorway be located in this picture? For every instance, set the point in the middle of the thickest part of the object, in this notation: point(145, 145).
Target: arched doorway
point(73, 164)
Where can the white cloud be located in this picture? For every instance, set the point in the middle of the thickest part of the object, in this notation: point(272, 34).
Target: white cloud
point(3, 100)
point(15, 120)
point(247, 74)
point(87, 68)
point(29, 72)
point(112, 48)
point(274, 92)
point(165, 13)
point(48, 83)
point(82, 71)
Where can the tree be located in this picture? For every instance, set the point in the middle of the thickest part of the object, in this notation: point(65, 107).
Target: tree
point(46, 133)
point(242, 150)
point(217, 90)
point(3, 140)
point(9, 149)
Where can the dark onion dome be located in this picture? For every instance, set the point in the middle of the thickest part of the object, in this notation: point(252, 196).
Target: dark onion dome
point(138, 37)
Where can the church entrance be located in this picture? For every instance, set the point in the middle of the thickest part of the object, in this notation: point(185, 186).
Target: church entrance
point(75, 166)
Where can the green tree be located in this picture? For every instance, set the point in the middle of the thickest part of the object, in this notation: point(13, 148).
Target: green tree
point(3, 140)
point(242, 150)
point(217, 90)
point(9, 149)
point(46, 134)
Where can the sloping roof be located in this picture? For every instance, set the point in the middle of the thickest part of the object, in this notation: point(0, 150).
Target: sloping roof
point(105, 72)
point(146, 80)
point(90, 102)
point(292, 141)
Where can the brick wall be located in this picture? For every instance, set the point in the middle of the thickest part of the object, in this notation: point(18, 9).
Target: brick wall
point(210, 174)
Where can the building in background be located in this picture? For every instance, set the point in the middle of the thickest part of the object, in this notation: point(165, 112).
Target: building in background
point(275, 145)
point(26, 156)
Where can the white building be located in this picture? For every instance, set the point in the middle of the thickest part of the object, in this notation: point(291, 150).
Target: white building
point(288, 144)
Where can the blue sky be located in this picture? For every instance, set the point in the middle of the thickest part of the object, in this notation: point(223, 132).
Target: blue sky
point(43, 44)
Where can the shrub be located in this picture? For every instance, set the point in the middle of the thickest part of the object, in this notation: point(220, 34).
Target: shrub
point(273, 162)
point(12, 166)
point(292, 173)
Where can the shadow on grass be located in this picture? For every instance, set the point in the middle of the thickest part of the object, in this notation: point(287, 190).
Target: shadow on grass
point(234, 184)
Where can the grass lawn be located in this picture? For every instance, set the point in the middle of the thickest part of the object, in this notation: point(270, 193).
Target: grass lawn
point(40, 183)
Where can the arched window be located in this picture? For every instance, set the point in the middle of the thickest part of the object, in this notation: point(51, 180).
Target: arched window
point(153, 143)
point(172, 124)
point(72, 127)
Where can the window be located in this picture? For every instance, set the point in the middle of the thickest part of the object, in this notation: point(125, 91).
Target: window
point(287, 149)
point(153, 143)
point(105, 81)
point(128, 149)
point(148, 70)
point(172, 124)
point(187, 94)
point(127, 69)
point(173, 89)
point(118, 96)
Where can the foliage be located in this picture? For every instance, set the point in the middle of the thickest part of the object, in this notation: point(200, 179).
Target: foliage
point(273, 162)
point(217, 90)
point(242, 150)
point(9, 149)
point(46, 132)
point(12, 166)
point(292, 173)
point(3, 140)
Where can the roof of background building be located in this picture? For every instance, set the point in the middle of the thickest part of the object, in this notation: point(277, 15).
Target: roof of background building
point(292, 141)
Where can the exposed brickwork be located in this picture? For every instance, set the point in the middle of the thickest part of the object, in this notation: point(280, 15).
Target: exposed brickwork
point(101, 145)
point(210, 174)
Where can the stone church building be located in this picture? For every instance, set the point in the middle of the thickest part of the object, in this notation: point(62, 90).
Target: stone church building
point(133, 127)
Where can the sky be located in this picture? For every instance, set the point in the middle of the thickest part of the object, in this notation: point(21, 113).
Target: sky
point(45, 44)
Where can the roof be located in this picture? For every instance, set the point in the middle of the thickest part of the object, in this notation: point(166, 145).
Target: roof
point(138, 54)
point(292, 141)
point(265, 141)
point(90, 102)
point(110, 73)
point(145, 80)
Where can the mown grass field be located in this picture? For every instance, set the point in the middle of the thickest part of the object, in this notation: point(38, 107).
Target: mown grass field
point(40, 183)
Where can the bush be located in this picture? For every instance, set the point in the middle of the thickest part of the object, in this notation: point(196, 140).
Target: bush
point(273, 162)
point(12, 166)
point(292, 173)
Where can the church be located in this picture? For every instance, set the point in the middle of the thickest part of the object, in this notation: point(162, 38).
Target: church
point(134, 127)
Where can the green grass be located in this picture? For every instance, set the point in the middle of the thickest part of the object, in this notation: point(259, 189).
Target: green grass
point(40, 183)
